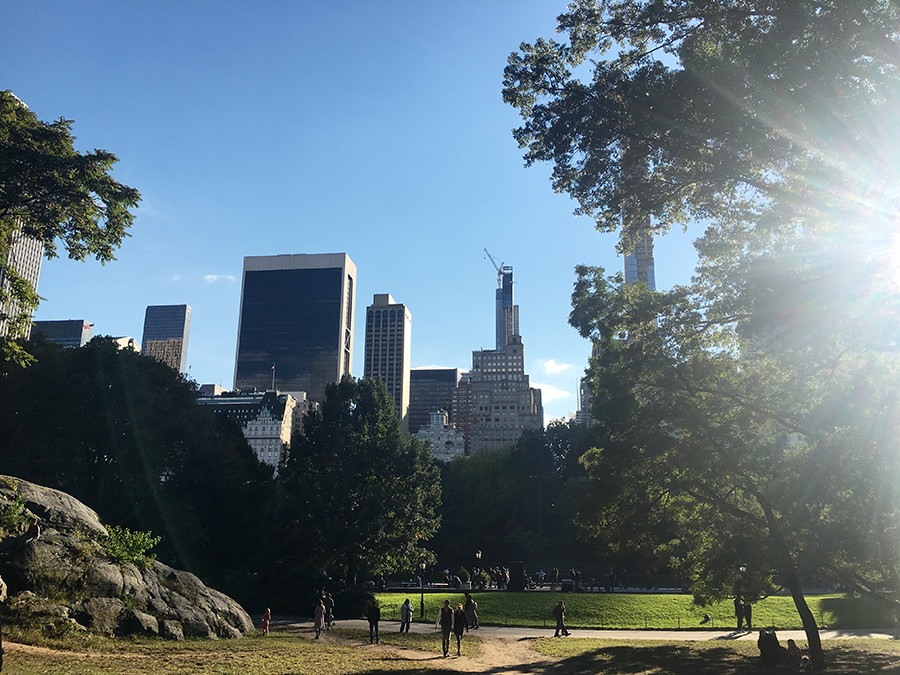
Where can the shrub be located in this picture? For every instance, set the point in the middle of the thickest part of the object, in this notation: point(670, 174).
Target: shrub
point(126, 546)
point(463, 574)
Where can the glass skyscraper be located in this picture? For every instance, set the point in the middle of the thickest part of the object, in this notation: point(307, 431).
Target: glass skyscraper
point(295, 331)
point(639, 264)
point(166, 332)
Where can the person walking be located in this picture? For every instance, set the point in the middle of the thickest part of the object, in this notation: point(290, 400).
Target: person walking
point(748, 615)
point(739, 612)
point(445, 624)
point(319, 618)
point(266, 618)
point(460, 625)
point(373, 614)
point(559, 613)
point(471, 611)
point(328, 601)
point(405, 615)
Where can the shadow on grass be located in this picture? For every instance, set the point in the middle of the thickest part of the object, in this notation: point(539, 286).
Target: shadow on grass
point(677, 660)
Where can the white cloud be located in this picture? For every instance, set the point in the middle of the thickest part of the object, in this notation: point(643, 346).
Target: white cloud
point(213, 278)
point(554, 368)
point(551, 393)
point(177, 277)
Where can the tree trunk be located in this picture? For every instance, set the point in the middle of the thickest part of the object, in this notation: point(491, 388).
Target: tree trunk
point(816, 655)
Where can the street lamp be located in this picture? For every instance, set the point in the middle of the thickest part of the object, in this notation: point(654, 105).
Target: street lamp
point(422, 591)
point(478, 565)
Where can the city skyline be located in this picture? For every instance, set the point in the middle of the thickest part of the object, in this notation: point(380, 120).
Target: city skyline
point(314, 127)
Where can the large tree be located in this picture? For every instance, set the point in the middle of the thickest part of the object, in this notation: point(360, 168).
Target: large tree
point(750, 416)
point(358, 493)
point(52, 193)
point(122, 432)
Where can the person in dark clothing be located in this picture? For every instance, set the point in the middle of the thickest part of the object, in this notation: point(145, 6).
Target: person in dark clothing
point(445, 624)
point(460, 625)
point(373, 614)
point(559, 613)
point(328, 602)
point(405, 616)
point(739, 612)
point(748, 615)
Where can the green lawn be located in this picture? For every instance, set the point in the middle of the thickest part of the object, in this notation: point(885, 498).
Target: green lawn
point(631, 610)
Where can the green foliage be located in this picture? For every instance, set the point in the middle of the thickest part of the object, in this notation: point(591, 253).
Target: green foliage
point(50, 192)
point(463, 574)
point(357, 493)
point(12, 514)
point(130, 548)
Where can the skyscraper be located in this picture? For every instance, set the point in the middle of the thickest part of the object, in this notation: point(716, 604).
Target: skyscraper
point(70, 333)
point(639, 263)
point(430, 390)
point(24, 256)
point(295, 330)
point(166, 332)
point(388, 340)
point(507, 312)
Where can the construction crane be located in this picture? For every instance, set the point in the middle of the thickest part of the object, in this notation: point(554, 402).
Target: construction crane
point(497, 267)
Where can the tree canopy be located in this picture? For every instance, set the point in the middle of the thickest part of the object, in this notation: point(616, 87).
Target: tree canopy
point(748, 419)
point(52, 193)
point(358, 493)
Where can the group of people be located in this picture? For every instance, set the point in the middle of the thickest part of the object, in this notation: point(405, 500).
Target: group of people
point(323, 614)
point(744, 612)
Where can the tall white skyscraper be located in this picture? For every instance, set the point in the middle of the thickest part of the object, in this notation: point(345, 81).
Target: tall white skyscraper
point(25, 255)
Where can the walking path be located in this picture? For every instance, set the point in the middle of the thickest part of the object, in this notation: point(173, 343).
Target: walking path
point(519, 633)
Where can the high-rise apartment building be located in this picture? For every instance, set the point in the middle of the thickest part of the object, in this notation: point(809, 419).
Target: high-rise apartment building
point(70, 333)
point(639, 264)
point(166, 332)
point(295, 331)
point(388, 342)
point(506, 311)
point(430, 390)
point(24, 257)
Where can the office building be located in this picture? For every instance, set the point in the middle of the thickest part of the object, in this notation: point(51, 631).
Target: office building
point(295, 329)
point(639, 264)
point(501, 402)
point(430, 389)
point(267, 420)
point(70, 333)
point(166, 332)
point(24, 257)
point(388, 340)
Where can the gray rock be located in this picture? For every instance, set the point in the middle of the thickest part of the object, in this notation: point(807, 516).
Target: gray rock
point(68, 561)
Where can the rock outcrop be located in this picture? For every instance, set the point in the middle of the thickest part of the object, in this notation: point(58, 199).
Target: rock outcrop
point(65, 579)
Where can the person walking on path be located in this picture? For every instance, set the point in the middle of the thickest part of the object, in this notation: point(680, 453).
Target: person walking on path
point(319, 618)
point(739, 612)
point(559, 613)
point(328, 601)
point(266, 618)
point(445, 624)
point(471, 613)
point(748, 615)
point(460, 625)
point(373, 614)
point(405, 615)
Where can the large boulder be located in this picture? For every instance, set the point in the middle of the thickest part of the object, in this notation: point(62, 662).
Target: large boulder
point(90, 590)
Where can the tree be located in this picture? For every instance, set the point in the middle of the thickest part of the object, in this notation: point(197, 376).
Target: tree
point(357, 491)
point(747, 419)
point(50, 192)
point(122, 432)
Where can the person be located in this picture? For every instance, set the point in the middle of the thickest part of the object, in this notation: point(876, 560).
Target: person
point(748, 615)
point(266, 618)
point(328, 601)
point(405, 615)
point(373, 614)
point(460, 625)
point(445, 624)
point(794, 656)
point(471, 611)
point(319, 617)
point(559, 613)
point(34, 532)
point(771, 653)
point(739, 612)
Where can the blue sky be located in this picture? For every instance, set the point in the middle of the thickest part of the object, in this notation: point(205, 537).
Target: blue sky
point(371, 128)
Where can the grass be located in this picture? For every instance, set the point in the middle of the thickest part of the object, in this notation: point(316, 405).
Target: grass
point(284, 653)
point(650, 611)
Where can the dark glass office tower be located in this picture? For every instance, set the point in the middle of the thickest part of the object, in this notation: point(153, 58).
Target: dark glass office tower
point(166, 332)
point(296, 323)
point(430, 390)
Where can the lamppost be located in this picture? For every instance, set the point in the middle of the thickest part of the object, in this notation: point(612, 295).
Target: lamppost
point(477, 565)
point(422, 590)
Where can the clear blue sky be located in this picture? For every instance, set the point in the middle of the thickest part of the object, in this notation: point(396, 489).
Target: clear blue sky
point(372, 128)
